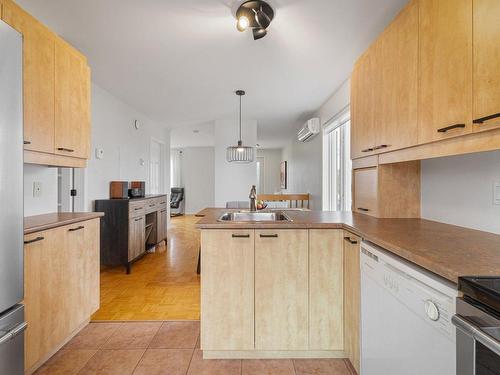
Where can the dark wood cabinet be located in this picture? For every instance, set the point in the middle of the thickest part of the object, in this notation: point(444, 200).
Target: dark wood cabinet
point(131, 226)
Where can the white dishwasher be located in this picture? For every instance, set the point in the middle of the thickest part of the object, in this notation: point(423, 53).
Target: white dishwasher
point(406, 315)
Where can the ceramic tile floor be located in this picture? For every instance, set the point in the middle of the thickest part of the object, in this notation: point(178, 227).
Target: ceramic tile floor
point(170, 348)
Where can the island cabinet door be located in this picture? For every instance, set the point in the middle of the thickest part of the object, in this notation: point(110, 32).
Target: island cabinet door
point(227, 289)
point(352, 291)
point(326, 315)
point(281, 289)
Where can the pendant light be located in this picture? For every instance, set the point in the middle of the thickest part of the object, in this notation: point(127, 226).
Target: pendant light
point(239, 153)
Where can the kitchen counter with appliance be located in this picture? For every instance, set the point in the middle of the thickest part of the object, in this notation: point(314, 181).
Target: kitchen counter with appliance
point(38, 223)
point(446, 250)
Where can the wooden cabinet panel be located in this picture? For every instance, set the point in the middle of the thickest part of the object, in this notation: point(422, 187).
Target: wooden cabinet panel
point(281, 290)
point(72, 105)
point(445, 63)
point(162, 224)
point(61, 286)
point(326, 289)
point(365, 191)
point(486, 70)
point(227, 290)
point(363, 82)
point(352, 294)
point(136, 237)
point(397, 64)
point(38, 78)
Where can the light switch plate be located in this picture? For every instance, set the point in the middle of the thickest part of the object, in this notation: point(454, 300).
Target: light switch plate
point(496, 193)
point(37, 189)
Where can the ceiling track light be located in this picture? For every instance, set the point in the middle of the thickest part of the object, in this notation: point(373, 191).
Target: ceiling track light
point(256, 15)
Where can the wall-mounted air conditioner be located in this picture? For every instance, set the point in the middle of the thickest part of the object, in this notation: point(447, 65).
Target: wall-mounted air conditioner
point(309, 130)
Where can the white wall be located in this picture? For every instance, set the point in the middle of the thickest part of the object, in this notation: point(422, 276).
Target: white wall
point(305, 160)
point(272, 161)
point(233, 181)
point(124, 146)
point(459, 190)
point(198, 178)
point(47, 203)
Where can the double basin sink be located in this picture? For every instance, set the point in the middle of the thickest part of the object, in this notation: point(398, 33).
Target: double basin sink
point(251, 216)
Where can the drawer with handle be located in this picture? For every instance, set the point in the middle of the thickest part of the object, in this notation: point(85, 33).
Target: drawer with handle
point(136, 209)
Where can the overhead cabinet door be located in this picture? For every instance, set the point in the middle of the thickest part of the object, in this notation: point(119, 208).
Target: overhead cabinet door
point(486, 44)
point(72, 117)
point(445, 77)
point(38, 78)
point(281, 290)
point(397, 67)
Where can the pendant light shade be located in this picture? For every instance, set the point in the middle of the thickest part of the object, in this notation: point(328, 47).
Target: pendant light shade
point(239, 153)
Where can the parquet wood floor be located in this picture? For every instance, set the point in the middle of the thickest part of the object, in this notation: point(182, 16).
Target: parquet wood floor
point(162, 286)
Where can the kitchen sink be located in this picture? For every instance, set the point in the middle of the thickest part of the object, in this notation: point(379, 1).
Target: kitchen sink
point(248, 216)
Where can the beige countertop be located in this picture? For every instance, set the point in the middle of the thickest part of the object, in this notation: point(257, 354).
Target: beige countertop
point(447, 250)
point(38, 223)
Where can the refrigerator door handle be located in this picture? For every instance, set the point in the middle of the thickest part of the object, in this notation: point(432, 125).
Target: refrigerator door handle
point(11, 333)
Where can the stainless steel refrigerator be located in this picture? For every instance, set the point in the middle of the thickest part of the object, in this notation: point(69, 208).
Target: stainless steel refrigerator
point(12, 324)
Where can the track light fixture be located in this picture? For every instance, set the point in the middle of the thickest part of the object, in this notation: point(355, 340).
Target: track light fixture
point(254, 14)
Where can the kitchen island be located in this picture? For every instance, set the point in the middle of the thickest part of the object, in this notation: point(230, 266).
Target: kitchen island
point(291, 288)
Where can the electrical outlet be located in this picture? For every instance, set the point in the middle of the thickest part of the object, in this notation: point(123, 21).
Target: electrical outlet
point(37, 189)
point(496, 193)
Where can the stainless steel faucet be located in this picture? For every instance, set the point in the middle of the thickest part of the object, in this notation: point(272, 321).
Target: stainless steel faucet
point(253, 197)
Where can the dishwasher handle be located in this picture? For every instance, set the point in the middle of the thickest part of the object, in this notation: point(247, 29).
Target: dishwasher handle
point(476, 333)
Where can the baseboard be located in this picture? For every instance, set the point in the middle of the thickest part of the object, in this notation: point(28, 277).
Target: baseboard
point(272, 354)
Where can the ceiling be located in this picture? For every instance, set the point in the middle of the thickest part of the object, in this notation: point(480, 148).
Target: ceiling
point(179, 61)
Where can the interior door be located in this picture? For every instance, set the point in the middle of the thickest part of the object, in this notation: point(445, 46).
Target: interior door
point(281, 290)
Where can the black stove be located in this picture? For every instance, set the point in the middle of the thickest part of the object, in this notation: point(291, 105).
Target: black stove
point(483, 289)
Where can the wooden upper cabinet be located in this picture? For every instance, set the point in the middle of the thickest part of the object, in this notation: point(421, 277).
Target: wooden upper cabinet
point(486, 70)
point(38, 78)
point(384, 89)
point(445, 63)
point(397, 91)
point(362, 105)
point(72, 107)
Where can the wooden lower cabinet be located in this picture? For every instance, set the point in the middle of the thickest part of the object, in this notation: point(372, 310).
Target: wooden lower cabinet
point(136, 237)
point(61, 286)
point(162, 223)
point(227, 290)
point(326, 303)
point(352, 293)
point(281, 289)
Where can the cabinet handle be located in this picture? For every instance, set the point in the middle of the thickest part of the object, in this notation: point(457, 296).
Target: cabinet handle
point(138, 219)
point(240, 236)
point(34, 240)
point(75, 229)
point(363, 209)
point(65, 149)
point(151, 205)
point(163, 202)
point(454, 126)
point(27, 142)
point(348, 239)
point(162, 210)
point(138, 208)
point(380, 147)
point(485, 118)
point(367, 149)
point(268, 236)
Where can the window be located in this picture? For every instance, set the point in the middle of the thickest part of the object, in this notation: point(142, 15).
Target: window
point(337, 166)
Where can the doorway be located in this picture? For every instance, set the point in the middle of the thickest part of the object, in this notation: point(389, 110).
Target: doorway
point(156, 166)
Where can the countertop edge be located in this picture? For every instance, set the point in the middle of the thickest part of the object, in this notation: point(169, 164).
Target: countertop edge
point(59, 222)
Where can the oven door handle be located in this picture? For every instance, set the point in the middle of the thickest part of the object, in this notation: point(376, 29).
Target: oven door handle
point(476, 333)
